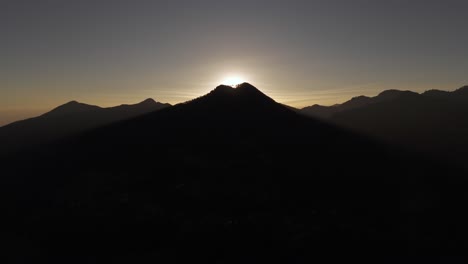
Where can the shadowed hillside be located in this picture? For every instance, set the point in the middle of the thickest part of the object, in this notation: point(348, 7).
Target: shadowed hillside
point(66, 120)
point(434, 122)
point(356, 102)
point(230, 177)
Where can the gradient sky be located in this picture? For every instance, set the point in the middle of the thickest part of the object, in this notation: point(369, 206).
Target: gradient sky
point(298, 52)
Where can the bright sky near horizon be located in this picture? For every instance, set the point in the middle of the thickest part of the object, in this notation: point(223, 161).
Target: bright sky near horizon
point(298, 52)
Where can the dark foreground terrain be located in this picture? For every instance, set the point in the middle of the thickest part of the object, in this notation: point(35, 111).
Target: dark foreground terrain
point(231, 177)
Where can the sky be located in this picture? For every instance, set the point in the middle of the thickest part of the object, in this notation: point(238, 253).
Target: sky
point(298, 52)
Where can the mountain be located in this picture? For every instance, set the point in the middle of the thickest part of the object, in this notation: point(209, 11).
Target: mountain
point(326, 112)
point(66, 120)
point(230, 177)
point(70, 108)
point(433, 122)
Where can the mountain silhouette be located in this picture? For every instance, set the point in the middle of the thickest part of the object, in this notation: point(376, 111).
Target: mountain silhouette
point(244, 101)
point(433, 122)
point(242, 96)
point(229, 177)
point(66, 120)
point(71, 108)
point(326, 112)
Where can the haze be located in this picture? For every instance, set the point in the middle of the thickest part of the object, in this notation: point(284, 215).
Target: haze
point(299, 52)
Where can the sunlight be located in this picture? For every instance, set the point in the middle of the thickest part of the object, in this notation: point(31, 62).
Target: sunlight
point(233, 80)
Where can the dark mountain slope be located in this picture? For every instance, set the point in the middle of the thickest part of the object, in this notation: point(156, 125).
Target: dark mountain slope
point(66, 120)
point(326, 112)
point(230, 177)
point(434, 122)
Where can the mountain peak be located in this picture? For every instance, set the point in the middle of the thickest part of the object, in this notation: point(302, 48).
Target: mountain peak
point(72, 107)
point(436, 93)
point(246, 85)
point(149, 101)
point(394, 94)
point(391, 92)
point(244, 88)
point(248, 90)
point(242, 98)
point(462, 89)
point(72, 102)
point(359, 98)
point(223, 89)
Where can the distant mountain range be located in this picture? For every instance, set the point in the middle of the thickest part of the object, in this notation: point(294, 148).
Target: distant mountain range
point(66, 120)
point(434, 122)
point(230, 177)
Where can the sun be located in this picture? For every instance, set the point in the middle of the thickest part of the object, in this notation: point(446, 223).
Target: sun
point(233, 80)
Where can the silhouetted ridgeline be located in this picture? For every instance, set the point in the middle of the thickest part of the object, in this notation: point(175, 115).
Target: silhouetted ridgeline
point(434, 122)
point(230, 177)
point(66, 120)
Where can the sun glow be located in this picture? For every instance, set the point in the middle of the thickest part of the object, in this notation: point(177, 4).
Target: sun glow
point(233, 80)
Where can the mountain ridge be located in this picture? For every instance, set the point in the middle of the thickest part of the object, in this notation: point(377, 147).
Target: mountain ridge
point(433, 122)
point(229, 176)
point(72, 107)
point(67, 119)
point(327, 112)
